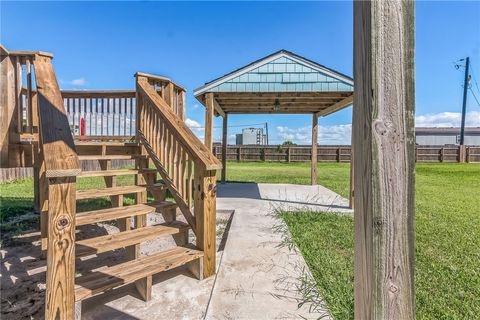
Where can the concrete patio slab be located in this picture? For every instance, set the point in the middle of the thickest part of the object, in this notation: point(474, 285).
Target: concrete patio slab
point(257, 277)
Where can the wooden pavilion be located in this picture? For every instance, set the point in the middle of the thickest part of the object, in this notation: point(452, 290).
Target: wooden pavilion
point(280, 83)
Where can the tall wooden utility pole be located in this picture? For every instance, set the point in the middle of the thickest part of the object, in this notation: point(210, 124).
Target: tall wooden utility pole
point(383, 125)
point(464, 110)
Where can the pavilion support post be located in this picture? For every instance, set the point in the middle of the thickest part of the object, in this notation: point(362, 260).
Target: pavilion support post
point(209, 107)
point(224, 148)
point(313, 172)
point(383, 132)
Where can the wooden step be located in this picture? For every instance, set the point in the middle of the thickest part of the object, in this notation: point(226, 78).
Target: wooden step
point(106, 143)
point(110, 173)
point(115, 191)
point(110, 157)
point(127, 238)
point(89, 217)
point(128, 272)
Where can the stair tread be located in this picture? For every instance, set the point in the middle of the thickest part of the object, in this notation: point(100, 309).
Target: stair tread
point(89, 217)
point(113, 172)
point(105, 143)
point(127, 238)
point(127, 272)
point(110, 157)
point(115, 191)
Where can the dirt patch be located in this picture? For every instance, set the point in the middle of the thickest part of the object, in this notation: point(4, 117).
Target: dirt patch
point(23, 273)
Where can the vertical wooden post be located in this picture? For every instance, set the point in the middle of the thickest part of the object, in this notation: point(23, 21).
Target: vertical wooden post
point(462, 153)
point(60, 295)
point(383, 131)
point(351, 194)
point(8, 115)
point(205, 216)
point(224, 148)
point(43, 205)
point(313, 172)
point(209, 120)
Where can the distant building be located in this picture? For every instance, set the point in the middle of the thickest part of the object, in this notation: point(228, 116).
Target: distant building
point(251, 136)
point(446, 136)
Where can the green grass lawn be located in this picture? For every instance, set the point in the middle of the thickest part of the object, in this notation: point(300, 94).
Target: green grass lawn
point(447, 225)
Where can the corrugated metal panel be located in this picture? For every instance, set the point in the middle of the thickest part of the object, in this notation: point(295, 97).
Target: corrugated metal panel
point(282, 75)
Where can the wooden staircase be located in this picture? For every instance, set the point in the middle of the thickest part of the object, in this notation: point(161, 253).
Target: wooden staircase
point(183, 181)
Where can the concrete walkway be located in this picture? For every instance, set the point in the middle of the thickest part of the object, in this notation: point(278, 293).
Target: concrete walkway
point(257, 277)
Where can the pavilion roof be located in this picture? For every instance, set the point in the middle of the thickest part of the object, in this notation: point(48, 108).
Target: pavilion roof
point(282, 82)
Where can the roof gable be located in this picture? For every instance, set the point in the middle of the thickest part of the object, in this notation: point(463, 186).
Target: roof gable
point(280, 72)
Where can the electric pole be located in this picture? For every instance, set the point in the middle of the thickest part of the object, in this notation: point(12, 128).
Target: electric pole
point(464, 107)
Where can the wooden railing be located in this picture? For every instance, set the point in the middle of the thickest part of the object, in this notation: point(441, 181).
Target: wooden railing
point(101, 114)
point(186, 166)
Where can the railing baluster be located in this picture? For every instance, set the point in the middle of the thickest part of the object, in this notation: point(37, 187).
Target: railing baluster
point(29, 96)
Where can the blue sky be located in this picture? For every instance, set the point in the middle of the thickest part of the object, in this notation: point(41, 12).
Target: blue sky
point(100, 45)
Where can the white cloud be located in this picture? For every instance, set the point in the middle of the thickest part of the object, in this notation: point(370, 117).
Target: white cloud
point(78, 82)
point(196, 106)
point(194, 125)
point(341, 134)
point(336, 134)
point(448, 119)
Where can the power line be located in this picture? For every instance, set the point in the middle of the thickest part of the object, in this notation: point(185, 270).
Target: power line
point(473, 93)
point(235, 126)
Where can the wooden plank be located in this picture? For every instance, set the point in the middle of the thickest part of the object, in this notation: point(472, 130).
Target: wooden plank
point(100, 94)
point(337, 106)
point(205, 215)
point(127, 272)
point(90, 217)
point(60, 296)
point(209, 120)
point(105, 173)
point(114, 191)
point(383, 130)
point(128, 238)
point(218, 108)
point(313, 168)
point(57, 142)
point(8, 115)
point(110, 157)
point(224, 147)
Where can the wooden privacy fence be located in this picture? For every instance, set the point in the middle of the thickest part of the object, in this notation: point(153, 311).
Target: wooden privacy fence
point(337, 153)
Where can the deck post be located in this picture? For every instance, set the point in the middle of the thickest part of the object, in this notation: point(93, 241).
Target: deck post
point(60, 294)
point(209, 107)
point(8, 115)
point(383, 132)
point(224, 147)
point(205, 216)
point(313, 171)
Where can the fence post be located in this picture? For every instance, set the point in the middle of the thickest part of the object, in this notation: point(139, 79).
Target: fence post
point(288, 154)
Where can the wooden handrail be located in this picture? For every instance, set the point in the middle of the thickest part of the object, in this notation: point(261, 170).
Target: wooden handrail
point(159, 79)
point(97, 93)
point(188, 139)
point(56, 140)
